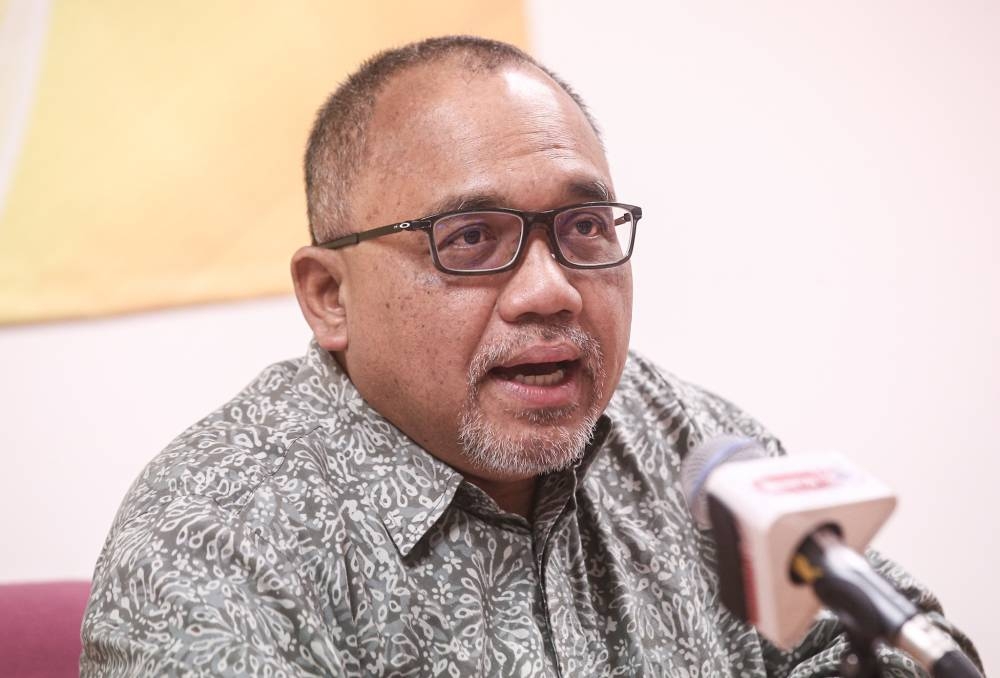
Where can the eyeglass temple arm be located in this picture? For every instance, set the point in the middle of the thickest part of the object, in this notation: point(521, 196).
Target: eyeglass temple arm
point(626, 218)
point(355, 238)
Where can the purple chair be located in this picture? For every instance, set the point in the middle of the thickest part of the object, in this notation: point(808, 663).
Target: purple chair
point(40, 628)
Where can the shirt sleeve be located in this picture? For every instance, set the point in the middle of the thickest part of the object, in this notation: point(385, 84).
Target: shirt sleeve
point(820, 652)
point(187, 589)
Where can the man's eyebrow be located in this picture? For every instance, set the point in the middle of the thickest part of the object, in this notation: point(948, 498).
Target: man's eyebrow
point(586, 190)
point(592, 190)
point(475, 201)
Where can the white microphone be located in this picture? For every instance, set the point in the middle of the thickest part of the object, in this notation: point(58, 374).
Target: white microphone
point(789, 531)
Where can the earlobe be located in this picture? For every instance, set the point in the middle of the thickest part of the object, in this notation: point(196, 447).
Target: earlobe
point(318, 276)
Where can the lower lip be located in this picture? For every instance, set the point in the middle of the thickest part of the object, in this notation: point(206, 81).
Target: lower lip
point(562, 394)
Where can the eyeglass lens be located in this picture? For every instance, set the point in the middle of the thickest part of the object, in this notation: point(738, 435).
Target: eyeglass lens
point(588, 235)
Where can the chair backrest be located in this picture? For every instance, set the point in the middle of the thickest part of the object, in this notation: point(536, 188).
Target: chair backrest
point(40, 628)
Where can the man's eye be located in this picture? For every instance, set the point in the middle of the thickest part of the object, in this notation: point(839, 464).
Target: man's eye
point(588, 227)
point(469, 236)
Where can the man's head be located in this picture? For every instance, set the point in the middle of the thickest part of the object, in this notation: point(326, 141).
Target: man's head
point(501, 375)
point(336, 149)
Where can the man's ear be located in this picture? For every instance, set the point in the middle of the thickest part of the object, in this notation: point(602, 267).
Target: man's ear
point(318, 275)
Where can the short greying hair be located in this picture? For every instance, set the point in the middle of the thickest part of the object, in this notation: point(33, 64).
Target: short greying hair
point(337, 141)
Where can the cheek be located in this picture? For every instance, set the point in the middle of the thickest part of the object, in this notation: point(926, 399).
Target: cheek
point(422, 331)
point(611, 313)
point(453, 323)
point(624, 287)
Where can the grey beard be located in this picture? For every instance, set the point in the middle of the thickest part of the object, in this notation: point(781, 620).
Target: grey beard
point(494, 451)
point(550, 447)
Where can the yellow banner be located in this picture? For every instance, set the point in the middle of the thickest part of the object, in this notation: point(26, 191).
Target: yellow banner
point(150, 153)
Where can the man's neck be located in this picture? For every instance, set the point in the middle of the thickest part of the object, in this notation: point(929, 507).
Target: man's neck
point(513, 496)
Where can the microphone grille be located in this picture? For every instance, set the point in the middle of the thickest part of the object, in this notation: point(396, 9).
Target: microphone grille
point(705, 458)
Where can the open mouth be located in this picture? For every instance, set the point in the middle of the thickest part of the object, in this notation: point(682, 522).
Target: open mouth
point(537, 374)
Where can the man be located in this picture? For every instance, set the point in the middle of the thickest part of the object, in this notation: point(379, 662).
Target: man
point(467, 474)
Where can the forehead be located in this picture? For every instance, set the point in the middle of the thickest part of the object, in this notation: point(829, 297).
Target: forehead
point(441, 133)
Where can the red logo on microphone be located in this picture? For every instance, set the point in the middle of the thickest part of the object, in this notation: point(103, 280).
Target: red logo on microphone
point(800, 481)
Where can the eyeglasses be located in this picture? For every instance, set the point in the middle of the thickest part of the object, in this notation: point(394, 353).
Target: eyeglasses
point(589, 235)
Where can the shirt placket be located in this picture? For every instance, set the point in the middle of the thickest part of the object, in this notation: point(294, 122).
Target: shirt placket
point(556, 495)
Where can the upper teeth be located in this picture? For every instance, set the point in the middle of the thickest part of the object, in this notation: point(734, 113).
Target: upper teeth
point(541, 379)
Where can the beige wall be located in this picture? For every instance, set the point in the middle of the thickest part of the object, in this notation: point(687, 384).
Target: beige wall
point(820, 185)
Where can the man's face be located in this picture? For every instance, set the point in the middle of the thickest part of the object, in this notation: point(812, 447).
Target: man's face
point(502, 376)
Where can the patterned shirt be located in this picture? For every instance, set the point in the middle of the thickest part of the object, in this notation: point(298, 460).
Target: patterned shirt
point(296, 532)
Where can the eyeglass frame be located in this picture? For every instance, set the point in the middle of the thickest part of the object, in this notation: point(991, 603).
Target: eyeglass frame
point(529, 221)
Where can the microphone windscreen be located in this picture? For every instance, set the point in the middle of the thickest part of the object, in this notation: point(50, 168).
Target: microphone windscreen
point(705, 458)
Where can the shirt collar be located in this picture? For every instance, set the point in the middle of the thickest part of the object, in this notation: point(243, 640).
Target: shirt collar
point(597, 439)
point(409, 488)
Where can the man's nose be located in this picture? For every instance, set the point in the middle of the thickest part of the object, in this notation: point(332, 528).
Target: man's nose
point(539, 286)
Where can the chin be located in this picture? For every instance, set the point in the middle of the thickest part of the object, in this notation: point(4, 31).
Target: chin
point(539, 441)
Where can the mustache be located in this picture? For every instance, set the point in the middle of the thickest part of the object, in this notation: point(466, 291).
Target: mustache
point(505, 348)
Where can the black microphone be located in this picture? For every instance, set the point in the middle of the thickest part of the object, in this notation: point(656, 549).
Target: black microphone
point(788, 532)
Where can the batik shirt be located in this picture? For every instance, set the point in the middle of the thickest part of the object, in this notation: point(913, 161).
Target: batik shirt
point(296, 532)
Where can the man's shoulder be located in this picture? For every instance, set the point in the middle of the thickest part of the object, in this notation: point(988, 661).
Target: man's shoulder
point(649, 398)
point(225, 455)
